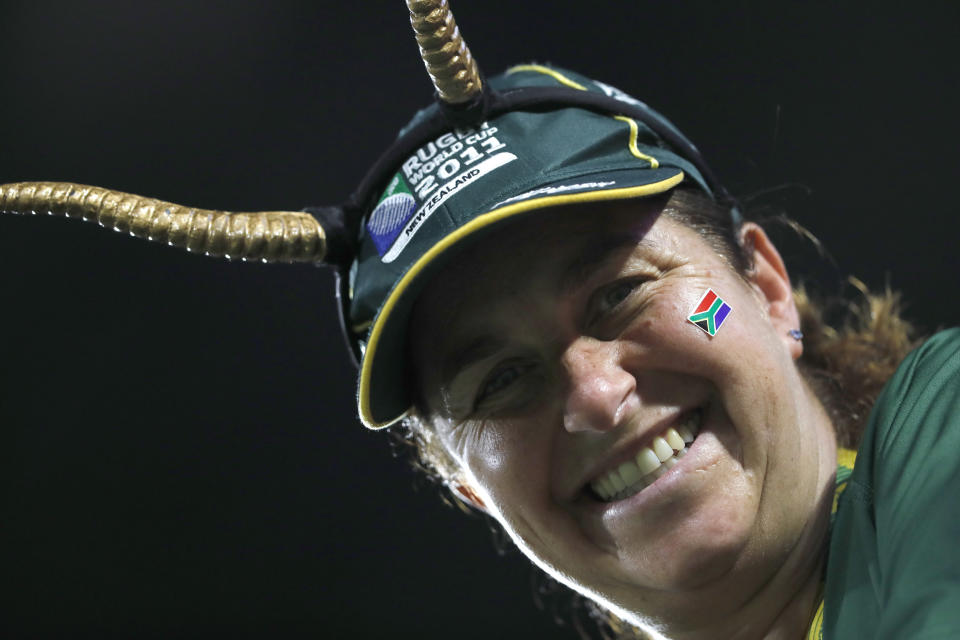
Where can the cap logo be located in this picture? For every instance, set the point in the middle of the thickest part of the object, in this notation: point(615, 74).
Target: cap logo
point(438, 171)
point(441, 195)
point(394, 209)
point(557, 189)
point(613, 92)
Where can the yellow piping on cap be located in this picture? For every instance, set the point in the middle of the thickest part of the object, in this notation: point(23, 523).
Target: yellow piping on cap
point(556, 75)
point(562, 79)
point(654, 163)
point(477, 223)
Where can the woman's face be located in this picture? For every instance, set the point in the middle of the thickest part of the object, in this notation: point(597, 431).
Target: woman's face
point(551, 359)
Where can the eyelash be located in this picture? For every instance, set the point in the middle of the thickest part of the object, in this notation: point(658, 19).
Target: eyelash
point(595, 310)
point(504, 377)
point(497, 377)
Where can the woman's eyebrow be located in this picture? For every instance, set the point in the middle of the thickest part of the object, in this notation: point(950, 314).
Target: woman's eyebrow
point(585, 263)
point(593, 256)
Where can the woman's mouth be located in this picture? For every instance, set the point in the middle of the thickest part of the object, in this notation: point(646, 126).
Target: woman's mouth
point(635, 475)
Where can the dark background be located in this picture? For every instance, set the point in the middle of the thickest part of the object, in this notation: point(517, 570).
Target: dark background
point(178, 446)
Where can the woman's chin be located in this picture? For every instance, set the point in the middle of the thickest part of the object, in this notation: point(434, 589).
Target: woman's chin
point(693, 541)
point(686, 565)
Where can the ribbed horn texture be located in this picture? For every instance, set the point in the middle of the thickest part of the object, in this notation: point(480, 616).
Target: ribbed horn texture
point(451, 67)
point(268, 236)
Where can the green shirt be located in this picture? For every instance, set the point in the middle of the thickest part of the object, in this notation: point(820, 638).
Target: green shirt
point(894, 564)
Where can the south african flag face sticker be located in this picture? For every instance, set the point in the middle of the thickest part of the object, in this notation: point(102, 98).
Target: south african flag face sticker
point(710, 313)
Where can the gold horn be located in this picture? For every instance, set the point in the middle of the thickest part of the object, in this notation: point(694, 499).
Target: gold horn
point(269, 236)
point(451, 67)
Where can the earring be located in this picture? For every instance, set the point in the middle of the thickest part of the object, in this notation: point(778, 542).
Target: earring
point(796, 334)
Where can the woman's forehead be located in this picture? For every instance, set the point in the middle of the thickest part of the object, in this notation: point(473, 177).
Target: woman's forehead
point(546, 239)
point(549, 256)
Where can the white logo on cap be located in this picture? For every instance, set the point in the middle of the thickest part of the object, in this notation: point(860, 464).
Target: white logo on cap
point(390, 213)
point(440, 196)
point(613, 92)
point(560, 188)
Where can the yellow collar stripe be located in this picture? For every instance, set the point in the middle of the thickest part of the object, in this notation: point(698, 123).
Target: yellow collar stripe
point(845, 461)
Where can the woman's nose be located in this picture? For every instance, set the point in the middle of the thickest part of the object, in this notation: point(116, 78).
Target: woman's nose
point(600, 390)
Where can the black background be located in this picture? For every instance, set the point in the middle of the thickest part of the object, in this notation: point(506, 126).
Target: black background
point(178, 446)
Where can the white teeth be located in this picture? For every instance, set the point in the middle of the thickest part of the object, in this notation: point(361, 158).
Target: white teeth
point(674, 440)
point(630, 473)
point(602, 486)
point(663, 450)
point(647, 461)
point(659, 472)
point(606, 487)
point(651, 463)
point(617, 481)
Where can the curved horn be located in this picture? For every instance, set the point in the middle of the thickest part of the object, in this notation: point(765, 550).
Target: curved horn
point(451, 67)
point(269, 236)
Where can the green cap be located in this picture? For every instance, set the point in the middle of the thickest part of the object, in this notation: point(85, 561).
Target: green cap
point(464, 183)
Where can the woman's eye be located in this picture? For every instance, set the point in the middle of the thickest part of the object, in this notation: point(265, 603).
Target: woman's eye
point(617, 294)
point(499, 381)
point(610, 297)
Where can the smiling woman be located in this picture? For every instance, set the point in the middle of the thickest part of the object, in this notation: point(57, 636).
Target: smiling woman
point(548, 291)
point(680, 480)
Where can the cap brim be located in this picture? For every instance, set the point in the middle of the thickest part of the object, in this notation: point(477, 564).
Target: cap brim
point(383, 397)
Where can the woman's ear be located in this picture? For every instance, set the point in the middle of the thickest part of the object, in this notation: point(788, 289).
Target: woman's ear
point(770, 279)
point(465, 493)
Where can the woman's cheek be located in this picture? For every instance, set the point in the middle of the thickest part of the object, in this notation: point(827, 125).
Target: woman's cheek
point(500, 447)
